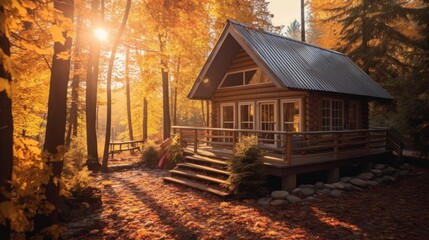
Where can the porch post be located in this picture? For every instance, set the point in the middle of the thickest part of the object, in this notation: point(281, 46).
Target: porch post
point(288, 149)
point(333, 175)
point(336, 146)
point(195, 140)
point(289, 182)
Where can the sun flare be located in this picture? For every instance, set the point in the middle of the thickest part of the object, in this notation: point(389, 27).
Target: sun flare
point(101, 34)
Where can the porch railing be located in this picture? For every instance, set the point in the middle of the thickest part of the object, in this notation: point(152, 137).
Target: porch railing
point(289, 144)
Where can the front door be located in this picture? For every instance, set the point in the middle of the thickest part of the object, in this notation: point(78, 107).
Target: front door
point(245, 116)
point(267, 121)
point(227, 114)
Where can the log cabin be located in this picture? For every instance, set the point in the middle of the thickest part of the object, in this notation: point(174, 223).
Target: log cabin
point(307, 105)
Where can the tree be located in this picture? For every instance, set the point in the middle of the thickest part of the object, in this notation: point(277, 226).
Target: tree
point(6, 127)
point(73, 112)
point(109, 84)
point(302, 21)
point(57, 111)
point(91, 89)
point(293, 30)
point(128, 93)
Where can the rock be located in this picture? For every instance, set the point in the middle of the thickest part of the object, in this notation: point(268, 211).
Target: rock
point(322, 192)
point(279, 194)
point(377, 172)
point(296, 191)
point(366, 176)
point(329, 186)
point(347, 186)
point(264, 201)
point(345, 179)
point(319, 185)
point(278, 202)
point(354, 188)
point(372, 183)
point(389, 171)
point(405, 166)
point(403, 173)
point(306, 186)
point(379, 166)
point(338, 185)
point(307, 191)
point(310, 198)
point(335, 193)
point(293, 199)
point(387, 179)
point(359, 182)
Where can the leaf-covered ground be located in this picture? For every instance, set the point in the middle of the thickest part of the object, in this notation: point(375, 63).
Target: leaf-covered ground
point(138, 205)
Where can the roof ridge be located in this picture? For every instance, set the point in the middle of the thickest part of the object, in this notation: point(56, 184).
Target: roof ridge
point(283, 37)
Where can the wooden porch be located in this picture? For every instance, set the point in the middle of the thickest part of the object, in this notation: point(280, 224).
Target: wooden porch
point(287, 154)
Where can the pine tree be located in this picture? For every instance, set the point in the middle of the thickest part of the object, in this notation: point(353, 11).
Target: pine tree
point(293, 30)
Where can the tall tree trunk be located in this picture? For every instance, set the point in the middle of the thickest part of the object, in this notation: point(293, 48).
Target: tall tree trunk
point(165, 97)
point(127, 86)
point(162, 37)
point(73, 113)
point(208, 113)
point(91, 90)
point(365, 38)
point(6, 130)
point(57, 117)
point(144, 126)
point(109, 85)
point(176, 79)
point(302, 21)
point(203, 113)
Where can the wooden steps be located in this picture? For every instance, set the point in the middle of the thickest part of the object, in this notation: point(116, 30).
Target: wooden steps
point(203, 168)
point(196, 186)
point(203, 173)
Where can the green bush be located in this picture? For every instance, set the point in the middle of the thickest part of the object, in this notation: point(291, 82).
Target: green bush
point(247, 178)
point(175, 152)
point(150, 154)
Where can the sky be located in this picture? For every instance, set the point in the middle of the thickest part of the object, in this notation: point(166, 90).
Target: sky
point(285, 11)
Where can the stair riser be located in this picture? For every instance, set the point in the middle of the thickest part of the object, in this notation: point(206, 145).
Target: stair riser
point(197, 179)
point(201, 188)
point(208, 164)
point(200, 171)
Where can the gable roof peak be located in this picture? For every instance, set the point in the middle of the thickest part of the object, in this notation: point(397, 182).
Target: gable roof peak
point(248, 27)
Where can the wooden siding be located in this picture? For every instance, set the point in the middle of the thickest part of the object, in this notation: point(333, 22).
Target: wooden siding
point(241, 61)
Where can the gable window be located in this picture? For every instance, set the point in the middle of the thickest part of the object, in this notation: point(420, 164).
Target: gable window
point(332, 115)
point(246, 77)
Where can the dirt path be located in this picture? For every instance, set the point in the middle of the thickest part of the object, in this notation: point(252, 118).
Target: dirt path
point(138, 205)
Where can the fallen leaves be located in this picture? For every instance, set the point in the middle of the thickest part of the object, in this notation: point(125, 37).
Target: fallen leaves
point(138, 205)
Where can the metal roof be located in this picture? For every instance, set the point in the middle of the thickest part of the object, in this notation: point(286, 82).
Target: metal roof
point(294, 64)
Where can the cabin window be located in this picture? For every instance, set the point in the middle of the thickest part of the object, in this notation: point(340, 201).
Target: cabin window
point(291, 115)
point(332, 115)
point(353, 115)
point(247, 77)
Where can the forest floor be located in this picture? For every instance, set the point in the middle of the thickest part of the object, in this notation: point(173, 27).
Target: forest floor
point(138, 205)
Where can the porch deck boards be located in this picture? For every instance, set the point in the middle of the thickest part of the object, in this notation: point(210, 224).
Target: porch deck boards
point(276, 160)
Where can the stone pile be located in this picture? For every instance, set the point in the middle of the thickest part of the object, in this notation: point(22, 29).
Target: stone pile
point(380, 174)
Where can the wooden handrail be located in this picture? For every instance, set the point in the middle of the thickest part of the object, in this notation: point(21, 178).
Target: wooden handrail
point(291, 144)
point(277, 132)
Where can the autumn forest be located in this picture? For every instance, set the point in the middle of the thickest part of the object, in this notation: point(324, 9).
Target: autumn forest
point(77, 75)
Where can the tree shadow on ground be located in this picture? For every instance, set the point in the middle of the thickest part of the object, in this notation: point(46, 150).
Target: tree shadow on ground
point(174, 220)
point(395, 211)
